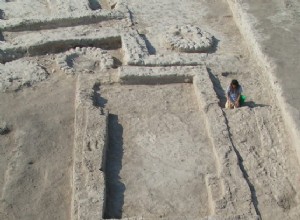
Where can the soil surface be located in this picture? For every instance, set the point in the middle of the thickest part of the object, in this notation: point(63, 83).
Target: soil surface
point(36, 155)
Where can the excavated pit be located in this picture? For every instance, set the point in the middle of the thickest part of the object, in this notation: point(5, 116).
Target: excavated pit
point(158, 152)
point(59, 46)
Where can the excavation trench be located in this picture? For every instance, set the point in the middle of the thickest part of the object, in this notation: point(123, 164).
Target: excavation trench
point(10, 54)
point(36, 25)
point(157, 145)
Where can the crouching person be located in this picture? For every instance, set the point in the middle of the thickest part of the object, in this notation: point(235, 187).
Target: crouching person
point(233, 94)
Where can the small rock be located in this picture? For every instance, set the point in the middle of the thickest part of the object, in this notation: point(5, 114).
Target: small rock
point(4, 129)
point(188, 39)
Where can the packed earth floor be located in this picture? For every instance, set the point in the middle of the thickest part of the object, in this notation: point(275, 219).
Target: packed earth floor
point(114, 109)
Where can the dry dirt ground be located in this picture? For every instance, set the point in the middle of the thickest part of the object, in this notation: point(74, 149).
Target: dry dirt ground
point(102, 118)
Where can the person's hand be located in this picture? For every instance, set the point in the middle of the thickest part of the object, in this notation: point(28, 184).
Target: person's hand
point(236, 103)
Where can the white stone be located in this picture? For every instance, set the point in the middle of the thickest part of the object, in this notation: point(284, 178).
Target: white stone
point(188, 39)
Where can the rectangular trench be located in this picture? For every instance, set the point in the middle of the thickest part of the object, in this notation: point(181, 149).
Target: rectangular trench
point(158, 152)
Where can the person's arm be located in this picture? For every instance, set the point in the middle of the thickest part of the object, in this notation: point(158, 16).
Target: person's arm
point(237, 102)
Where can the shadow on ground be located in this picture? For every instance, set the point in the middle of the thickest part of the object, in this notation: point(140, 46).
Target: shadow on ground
point(115, 189)
point(151, 49)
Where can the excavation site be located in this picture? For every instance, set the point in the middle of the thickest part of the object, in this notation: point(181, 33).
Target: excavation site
point(118, 109)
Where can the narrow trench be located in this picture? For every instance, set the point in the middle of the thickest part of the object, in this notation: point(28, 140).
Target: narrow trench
point(114, 188)
point(221, 95)
point(38, 25)
point(112, 160)
point(112, 43)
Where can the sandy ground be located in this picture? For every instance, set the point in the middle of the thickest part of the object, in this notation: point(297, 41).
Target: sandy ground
point(269, 160)
point(36, 156)
point(158, 151)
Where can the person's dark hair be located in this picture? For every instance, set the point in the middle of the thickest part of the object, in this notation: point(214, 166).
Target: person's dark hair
point(235, 82)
